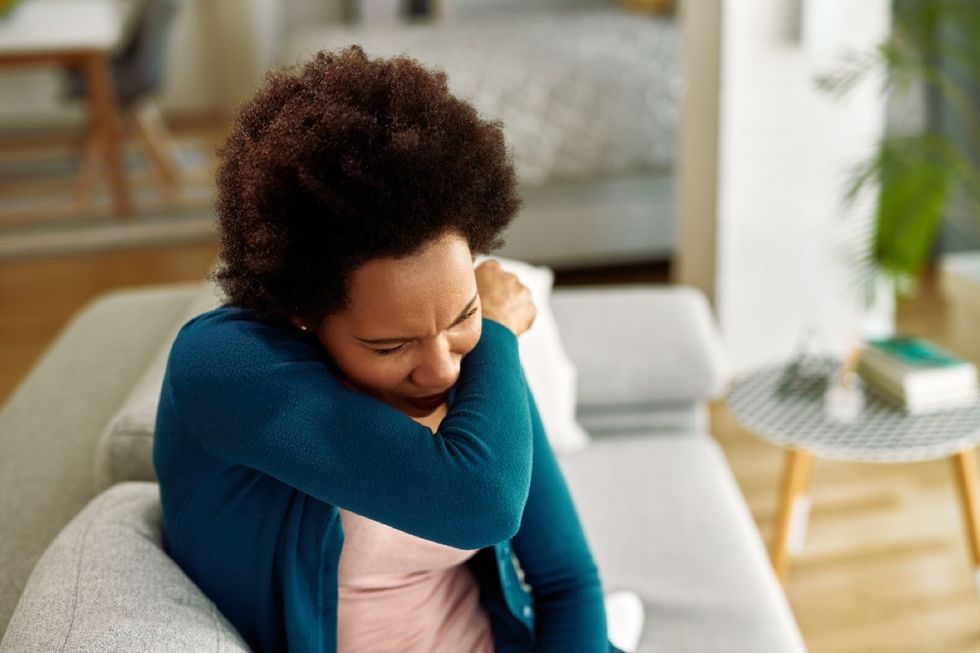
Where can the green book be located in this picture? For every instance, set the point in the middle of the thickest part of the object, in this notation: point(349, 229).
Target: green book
point(918, 373)
point(916, 353)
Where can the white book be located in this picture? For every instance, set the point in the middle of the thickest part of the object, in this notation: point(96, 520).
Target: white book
point(896, 389)
point(941, 404)
point(918, 374)
point(917, 363)
point(919, 405)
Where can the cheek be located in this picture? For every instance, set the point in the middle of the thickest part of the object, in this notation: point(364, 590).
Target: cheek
point(379, 373)
point(386, 373)
point(469, 336)
point(366, 369)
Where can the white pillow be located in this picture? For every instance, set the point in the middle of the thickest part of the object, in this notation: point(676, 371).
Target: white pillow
point(549, 371)
point(125, 448)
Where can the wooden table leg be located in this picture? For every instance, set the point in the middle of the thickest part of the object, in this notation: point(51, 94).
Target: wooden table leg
point(106, 115)
point(794, 509)
point(965, 469)
point(91, 160)
point(159, 144)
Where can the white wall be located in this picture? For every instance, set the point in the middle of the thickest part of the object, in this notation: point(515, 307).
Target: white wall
point(783, 247)
point(190, 85)
point(697, 165)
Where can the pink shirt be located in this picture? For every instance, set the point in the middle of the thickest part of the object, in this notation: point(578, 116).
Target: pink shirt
point(398, 592)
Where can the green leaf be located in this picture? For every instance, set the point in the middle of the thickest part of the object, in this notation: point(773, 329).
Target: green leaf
point(936, 42)
point(915, 187)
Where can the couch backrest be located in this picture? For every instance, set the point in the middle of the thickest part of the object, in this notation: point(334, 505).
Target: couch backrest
point(641, 347)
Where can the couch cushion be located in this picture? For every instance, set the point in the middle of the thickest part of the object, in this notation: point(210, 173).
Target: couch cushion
point(105, 584)
point(662, 514)
point(665, 519)
point(124, 451)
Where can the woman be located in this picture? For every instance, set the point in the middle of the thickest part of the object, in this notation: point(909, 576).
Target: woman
point(348, 453)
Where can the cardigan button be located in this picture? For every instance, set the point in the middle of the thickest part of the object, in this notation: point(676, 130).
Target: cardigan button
point(528, 611)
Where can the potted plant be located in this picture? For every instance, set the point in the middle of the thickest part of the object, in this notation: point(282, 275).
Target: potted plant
point(932, 175)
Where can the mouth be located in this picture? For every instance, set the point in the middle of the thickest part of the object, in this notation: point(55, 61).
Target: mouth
point(430, 401)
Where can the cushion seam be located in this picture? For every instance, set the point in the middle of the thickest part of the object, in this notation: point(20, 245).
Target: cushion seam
point(78, 573)
point(217, 628)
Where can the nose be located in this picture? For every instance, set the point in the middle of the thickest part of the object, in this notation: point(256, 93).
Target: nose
point(437, 367)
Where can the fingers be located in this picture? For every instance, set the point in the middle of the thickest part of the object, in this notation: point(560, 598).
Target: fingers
point(504, 298)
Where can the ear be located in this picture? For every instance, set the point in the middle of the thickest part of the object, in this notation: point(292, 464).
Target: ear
point(299, 324)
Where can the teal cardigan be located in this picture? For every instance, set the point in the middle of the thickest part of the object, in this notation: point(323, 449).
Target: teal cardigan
point(258, 443)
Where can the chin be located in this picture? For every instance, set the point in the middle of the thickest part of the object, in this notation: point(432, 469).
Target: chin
point(414, 411)
point(396, 401)
point(402, 405)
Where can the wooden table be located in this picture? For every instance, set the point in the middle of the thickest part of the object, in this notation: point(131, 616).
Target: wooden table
point(784, 405)
point(75, 33)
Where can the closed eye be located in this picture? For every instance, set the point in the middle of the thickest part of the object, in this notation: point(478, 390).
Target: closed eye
point(386, 352)
point(468, 315)
point(391, 350)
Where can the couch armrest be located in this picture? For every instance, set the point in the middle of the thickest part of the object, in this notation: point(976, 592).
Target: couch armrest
point(50, 424)
point(641, 344)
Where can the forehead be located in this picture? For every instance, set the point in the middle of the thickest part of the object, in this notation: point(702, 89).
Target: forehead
point(424, 289)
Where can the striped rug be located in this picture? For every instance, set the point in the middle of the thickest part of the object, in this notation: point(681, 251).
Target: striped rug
point(40, 214)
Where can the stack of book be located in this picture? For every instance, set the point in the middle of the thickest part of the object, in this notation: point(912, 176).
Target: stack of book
point(918, 375)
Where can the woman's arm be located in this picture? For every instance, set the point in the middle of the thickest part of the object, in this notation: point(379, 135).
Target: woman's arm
point(557, 562)
point(257, 394)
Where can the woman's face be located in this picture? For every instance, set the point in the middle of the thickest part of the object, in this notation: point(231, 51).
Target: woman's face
point(409, 323)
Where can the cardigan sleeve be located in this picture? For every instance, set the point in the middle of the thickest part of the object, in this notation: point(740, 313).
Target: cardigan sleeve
point(557, 563)
point(260, 395)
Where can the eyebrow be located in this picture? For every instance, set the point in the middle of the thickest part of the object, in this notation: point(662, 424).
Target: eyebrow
point(395, 341)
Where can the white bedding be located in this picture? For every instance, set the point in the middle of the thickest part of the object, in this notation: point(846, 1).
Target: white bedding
point(579, 94)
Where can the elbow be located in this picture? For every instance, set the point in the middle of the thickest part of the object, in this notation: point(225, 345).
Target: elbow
point(509, 496)
point(491, 492)
point(493, 527)
point(506, 525)
point(496, 516)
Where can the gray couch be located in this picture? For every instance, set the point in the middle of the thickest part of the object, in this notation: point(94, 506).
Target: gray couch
point(659, 504)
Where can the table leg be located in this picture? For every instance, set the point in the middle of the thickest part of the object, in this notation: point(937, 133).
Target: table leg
point(88, 176)
point(794, 510)
point(965, 468)
point(105, 114)
point(159, 144)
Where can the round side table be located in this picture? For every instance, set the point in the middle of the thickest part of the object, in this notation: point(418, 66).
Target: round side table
point(784, 405)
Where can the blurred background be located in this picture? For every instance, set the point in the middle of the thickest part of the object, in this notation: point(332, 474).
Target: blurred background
point(811, 165)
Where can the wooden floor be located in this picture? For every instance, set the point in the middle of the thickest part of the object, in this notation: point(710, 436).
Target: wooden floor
point(37, 297)
point(885, 565)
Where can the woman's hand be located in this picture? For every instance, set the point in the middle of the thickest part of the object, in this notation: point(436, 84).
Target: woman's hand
point(505, 299)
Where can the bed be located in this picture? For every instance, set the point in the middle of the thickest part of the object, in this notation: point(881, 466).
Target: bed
point(589, 100)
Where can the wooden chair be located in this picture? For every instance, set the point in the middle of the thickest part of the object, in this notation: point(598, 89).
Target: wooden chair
point(137, 73)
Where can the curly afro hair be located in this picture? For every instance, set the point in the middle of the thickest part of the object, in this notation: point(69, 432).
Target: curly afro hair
point(344, 160)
